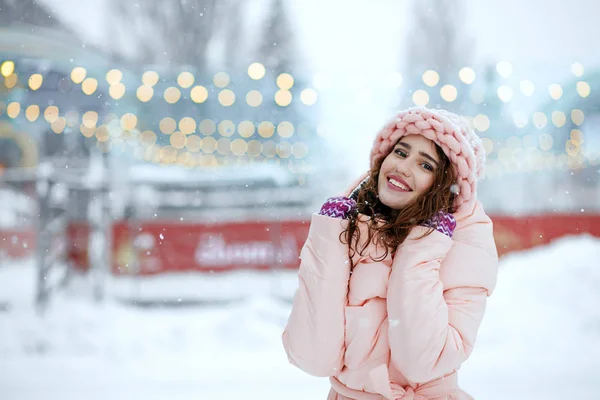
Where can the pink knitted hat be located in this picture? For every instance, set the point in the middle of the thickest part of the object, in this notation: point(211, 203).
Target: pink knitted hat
point(449, 131)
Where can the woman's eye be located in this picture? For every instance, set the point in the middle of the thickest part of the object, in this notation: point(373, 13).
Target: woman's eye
point(428, 167)
point(401, 152)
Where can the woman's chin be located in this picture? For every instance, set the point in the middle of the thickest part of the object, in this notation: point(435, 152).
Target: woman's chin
point(394, 201)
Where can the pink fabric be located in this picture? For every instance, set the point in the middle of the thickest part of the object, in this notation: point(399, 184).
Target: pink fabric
point(398, 328)
point(447, 130)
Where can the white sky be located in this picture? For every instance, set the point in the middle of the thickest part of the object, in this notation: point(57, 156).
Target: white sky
point(369, 33)
point(539, 37)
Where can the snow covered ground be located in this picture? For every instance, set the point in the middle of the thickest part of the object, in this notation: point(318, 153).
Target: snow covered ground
point(540, 339)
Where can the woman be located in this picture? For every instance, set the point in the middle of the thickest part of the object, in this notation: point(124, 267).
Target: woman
point(394, 276)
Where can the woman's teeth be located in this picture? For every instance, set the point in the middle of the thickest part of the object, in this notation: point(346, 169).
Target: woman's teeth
point(399, 185)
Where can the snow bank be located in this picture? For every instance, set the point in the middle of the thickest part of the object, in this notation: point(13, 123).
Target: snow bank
point(540, 339)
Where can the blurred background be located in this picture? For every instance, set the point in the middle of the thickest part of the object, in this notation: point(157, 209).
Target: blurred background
point(160, 160)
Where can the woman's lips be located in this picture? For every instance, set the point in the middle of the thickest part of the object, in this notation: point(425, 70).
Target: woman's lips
point(403, 186)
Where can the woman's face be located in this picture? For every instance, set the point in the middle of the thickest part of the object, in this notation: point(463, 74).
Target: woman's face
point(408, 171)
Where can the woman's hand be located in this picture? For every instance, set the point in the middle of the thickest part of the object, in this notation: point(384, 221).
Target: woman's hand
point(443, 222)
point(338, 207)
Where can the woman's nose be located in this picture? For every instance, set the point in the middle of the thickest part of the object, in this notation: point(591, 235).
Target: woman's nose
point(403, 168)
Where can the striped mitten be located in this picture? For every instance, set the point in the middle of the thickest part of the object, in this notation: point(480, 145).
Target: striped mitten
point(442, 222)
point(338, 207)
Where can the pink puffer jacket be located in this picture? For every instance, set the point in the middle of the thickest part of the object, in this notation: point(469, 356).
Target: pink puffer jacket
point(397, 328)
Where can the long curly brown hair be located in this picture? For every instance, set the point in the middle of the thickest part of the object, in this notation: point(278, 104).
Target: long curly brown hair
point(389, 227)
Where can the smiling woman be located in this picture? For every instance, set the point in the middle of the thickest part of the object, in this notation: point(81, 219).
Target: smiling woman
point(395, 275)
point(410, 170)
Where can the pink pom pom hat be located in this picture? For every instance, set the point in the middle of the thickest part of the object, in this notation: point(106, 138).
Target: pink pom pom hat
point(449, 131)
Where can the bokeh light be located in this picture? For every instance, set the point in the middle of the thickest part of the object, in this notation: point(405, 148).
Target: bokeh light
point(481, 122)
point(520, 119)
point(254, 98)
point(504, 68)
point(226, 98)
point(308, 96)
point(51, 114)
point(150, 78)
point(194, 143)
point(59, 125)
point(420, 97)
point(209, 144)
point(269, 149)
point(32, 112)
point(114, 76)
point(299, 150)
point(172, 95)
point(89, 85)
point(246, 129)
point(285, 129)
point(239, 147)
point(256, 71)
point(527, 87)
point(467, 75)
point(555, 91)
point(187, 125)
point(221, 79)
point(283, 98)
point(129, 121)
point(266, 129)
point(540, 120)
point(285, 81)
point(226, 128)
point(144, 93)
point(577, 116)
point(284, 150)
point(185, 79)
point(89, 119)
point(148, 138)
point(87, 131)
point(13, 109)
point(199, 94)
point(488, 145)
point(431, 78)
point(207, 127)
point(7, 68)
point(117, 90)
point(178, 140)
point(583, 89)
point(35, 81)
point(78, 74)
point(576, 137)
point(11, 81)
point(449, 93)
point(545, 141)
point(558, 118)
point(102, 133)
point(167, 125)
point(577, 69)
point(505, 93)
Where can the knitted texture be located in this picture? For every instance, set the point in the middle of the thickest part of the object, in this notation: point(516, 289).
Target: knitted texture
point(442, 222)
point(449, 131)
point(338, 207)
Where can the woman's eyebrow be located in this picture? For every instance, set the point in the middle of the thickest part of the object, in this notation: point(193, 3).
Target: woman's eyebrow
point(408, 147)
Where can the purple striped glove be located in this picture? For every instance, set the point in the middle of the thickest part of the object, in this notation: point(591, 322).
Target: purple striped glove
point(442, 222)
point(338, 207)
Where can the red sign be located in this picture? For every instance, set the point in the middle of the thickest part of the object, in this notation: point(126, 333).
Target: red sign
point(17, 243)
point(524, 232)
point(157, 247)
